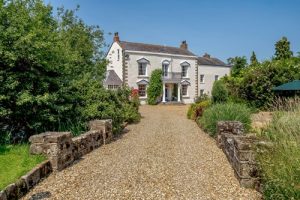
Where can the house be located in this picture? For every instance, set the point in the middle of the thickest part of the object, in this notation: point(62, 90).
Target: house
point(185, 75)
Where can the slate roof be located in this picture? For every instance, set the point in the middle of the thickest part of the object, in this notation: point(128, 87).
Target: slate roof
point(211, 61)
point(112, 78)
point(133, 46)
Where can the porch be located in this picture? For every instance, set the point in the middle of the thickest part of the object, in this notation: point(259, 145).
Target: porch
point(171, 87)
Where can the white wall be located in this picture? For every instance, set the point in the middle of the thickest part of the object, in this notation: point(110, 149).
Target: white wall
point(209, 76)
point(114, 62)
point(155, 62)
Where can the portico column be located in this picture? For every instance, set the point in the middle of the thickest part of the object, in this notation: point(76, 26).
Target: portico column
point(178, 93)
point(164, 95)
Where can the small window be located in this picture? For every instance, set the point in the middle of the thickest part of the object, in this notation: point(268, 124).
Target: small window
point(142, 90)
point(184, 90)
point(113, 87)
point(201, 78)
point(142, 69)
point(184, 71)
point(201, 92)
point(118, 54)
point(216, 77)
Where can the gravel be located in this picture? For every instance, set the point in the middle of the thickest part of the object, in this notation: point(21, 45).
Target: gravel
point(165, 156)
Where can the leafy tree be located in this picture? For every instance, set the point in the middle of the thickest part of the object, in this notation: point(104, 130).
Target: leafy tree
point(282, 49)
point(219, 92)
point(155, 87)
point(51, 70)
point(238, 63)
point(253, 59)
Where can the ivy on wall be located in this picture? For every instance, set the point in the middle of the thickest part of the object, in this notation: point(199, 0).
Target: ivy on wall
point(155, 87)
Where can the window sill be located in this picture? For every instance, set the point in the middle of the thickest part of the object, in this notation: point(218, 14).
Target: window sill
point(143, 76)
point(186, 97)
point(202, 83)
point(143, 98)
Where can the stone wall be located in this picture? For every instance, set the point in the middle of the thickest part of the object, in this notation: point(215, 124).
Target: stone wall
point(62, 150)
point(240, 151)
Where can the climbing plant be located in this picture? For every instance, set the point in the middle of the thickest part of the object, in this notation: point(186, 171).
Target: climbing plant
point(155, 87)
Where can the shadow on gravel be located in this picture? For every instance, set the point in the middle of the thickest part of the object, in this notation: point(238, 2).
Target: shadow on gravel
point(120, 136)
point(40, 195)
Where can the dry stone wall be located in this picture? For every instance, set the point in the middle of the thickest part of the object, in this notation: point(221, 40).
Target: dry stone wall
point(61, 150)
point(240, 151)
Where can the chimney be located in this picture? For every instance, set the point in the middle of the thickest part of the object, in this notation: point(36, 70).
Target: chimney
point(184, 45)
point(116, 37)
point(206, 55)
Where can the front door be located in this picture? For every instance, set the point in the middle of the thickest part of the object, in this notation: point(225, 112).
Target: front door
point(166, 93)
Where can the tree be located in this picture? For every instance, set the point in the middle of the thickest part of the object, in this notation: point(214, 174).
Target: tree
point(253, 59)
point(282, 49)
point(155, 87)
point(237, 63)
point(219, 92)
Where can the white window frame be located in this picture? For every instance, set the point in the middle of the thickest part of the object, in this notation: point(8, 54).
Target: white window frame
point(187, 93)
point(165, 65)
point(145, 96)
point(203, 78)
point(201, 92)
point(142, 64)
point(216, 77)
point(184, 67)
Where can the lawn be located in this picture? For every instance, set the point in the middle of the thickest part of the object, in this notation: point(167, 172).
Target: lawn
point(15, 161)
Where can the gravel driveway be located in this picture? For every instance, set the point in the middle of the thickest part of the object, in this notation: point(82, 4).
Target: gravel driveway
point(165, 156)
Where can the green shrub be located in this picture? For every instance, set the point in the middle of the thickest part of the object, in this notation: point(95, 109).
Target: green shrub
point(196, 110)
point(130, 114)
point(203, 97)
point(219, 92)
point(155, 87)
point(224, 112)
point(279, 163)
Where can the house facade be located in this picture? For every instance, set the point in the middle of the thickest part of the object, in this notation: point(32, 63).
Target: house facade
point(185, 75)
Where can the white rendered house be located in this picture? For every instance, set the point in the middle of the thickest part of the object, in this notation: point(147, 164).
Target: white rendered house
point(185, 75)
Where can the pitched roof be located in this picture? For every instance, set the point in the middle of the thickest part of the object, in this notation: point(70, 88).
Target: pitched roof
point(211, 61)
point(133, 46)
point(291, 86)
point(112, 78)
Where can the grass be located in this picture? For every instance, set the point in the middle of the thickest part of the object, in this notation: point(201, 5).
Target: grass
point(280, 163)
point(15, 161)
point(224, 112)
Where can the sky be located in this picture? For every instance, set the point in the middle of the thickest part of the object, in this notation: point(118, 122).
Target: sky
point(222, 28)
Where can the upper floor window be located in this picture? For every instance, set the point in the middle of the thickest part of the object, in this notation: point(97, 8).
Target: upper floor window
point(184, 70)
point(201, 78)
point(165, 69)
point(142, 69)
point(216, 77)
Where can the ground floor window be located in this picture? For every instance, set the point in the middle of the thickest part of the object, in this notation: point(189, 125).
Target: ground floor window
point(142, 90)
point(112, 87)
point(201, 92)
point(184, 90)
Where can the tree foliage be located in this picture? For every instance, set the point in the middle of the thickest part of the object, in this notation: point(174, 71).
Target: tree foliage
point(155, 87)
point(219, 92)
point(253, 59)
point(282, 49)
point(237, 63)
point(51, 69)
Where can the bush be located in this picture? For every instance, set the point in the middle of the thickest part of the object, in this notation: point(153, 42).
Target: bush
point(279, 163)
point(196, 110)
point(203, 97)
point(219, 92)
point(155, 87)
point(224, 112)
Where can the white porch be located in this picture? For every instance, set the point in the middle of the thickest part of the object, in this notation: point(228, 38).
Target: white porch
point(171, 92)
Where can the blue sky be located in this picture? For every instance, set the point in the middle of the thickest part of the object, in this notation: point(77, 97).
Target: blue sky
point(222, 28)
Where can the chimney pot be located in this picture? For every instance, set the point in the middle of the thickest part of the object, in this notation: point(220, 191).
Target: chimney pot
point(206, 55)
point(116, 37)
point(184, 45)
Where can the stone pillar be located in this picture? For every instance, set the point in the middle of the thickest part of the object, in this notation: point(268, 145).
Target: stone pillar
point(178, 93)
point(105, 126)
point(57, 146)
point(164, 93)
